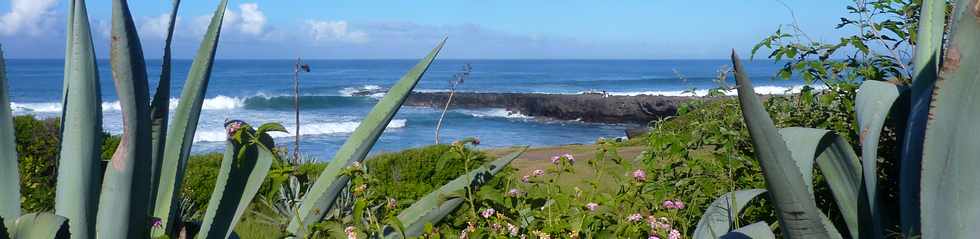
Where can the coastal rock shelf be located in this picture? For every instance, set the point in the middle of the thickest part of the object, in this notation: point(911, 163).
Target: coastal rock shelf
point(594, 108)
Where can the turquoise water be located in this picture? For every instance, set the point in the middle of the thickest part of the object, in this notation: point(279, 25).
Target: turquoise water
point(259, 91)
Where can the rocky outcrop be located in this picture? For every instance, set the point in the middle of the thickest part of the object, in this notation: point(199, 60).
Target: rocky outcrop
point(595, 108)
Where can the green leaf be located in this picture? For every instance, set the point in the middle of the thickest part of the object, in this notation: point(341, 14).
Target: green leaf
point(160, 112)
point(840, 166)
point(795, 206)
point(873, 104)
point(719, 218)
point(393, 221)
point(181, 131)
point(758, 230)
point(928, 53)
point(124, 200)
point(431, 208)
point(329, 184)
point(9, 176)
point(41, 226)
point(271, 127)
point(77, 190)
point(236, 186)
point(950, 152)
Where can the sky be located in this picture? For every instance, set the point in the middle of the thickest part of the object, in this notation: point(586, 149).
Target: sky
point(407, 29)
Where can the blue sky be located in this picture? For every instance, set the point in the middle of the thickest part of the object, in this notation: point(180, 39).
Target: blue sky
point(478, 29)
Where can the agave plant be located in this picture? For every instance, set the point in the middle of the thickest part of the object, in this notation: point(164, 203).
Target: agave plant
point(327, 189)
point(938, 151)
point(135, 190)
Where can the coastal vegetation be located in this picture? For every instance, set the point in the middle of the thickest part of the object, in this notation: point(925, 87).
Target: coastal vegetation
point(719, 166)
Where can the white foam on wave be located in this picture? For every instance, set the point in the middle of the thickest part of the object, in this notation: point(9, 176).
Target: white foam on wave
point(21, 108)
point(764, 90)
point(495, 113)
point(326, 128)
point(350, 91)
point(216, 103)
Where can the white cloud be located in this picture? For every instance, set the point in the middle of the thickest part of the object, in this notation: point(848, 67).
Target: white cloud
point(334, 31)
point(33, 17)
point(249, 20)
point(155, 26)
point(252, 19)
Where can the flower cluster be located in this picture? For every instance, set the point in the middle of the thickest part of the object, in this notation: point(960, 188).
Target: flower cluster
point(675, 204)
point(232, 127)
point(489, 212)
point(351, 232)
point(635, 217)
point(557, 159)
point(639, 175)
point(514, 193)
point(535, 173)
point(592, 206)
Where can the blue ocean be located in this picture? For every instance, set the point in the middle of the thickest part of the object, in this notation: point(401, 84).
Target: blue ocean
point(259, 91)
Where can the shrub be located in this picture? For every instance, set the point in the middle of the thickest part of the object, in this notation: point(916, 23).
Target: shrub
point(37, 152)
point(38, 144)
point(410, 174)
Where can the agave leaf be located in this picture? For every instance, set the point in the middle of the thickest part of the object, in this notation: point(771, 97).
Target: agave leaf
point(718, 219)
point(9, 176)
point(758, 230)
point(237, 183)
point(874, 101)
point(160, 110)
point(124, 200)
point(950, 152)
point(928, 52)
point(329, 184)
point(432, 207)
point(77, 191)
point(41, 226)
point(184, 125)
point(795, 205)
point(840, 167)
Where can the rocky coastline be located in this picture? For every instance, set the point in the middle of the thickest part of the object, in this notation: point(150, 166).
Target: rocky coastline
point(589, 107)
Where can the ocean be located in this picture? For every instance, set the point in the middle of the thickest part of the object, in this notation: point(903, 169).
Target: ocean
point(260, 91)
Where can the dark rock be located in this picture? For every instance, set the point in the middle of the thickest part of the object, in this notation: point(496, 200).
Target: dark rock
point(596, 108)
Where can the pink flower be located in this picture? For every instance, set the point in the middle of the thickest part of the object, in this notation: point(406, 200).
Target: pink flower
point(488, 213)
point(636, 217)
point(592, 206)
point(674, 234)
point(658, 223)
point(555, 159)
point(526, 178)
point(514, 192)
point(653, 237)
point(538, 173)
point(570, 158)
point(640, 175)
point(678, 204)
point(351, 232)
point(513, 230)
point(156, 223)
point(233, 127)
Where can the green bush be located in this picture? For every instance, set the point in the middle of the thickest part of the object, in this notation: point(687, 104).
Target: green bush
point(202, 172)
point(37, 151)
point(410, 174)
point(38, 144)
